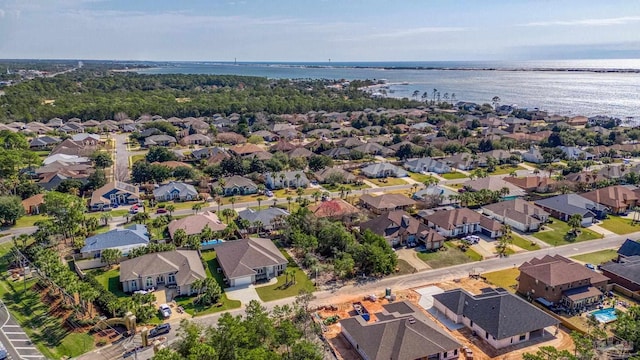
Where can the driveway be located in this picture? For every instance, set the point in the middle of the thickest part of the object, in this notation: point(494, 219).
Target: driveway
point(243, 293)
point(409, 255)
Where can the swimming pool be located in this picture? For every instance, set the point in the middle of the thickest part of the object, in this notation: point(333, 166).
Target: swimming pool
point(211, 242)
point(605, 315)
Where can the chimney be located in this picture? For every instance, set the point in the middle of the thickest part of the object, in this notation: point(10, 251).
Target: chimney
point(405, 221)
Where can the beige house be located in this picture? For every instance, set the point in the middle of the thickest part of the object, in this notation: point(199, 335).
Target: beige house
point(180, 268)
point(246, 261)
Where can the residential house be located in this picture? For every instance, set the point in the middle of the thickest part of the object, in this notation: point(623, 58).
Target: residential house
point(87, 139)
point(574, 153)
point(337, 153)
point(71, 128)
point(33, 204)
point(383, 170)
point(496, 316)
point(386, 202)
point(114, 193)
point(624, 273)
point(540, 184)
point(300, 152)
point(614, 172)
point(159, 140)
point(43, 142)
point(178, 267)
point(267, 219)
point(399, 228)
point(495, 184)
point(249, 260)
point(68, 159)
point(619, 199)
point(175, 191)
point(431, 192)
point(565, 205)
point(462, 161)
point(533, 155)
point(350, 142)
point(194, 224)
point(125, 240)
point(286, 179)
point(374, 149)
point(628, 249)
point(266, 135)
point(456, 222)
point(335, 209)
point(334, 175)
point(517, 213)
point(50, 180)
point(196, 139)
point(578, 121)
point(401, 332)
point(560, 281)
point(245, 149)
point(501, 156)
point(586, 177)
point(427, 164)
point(237, 185)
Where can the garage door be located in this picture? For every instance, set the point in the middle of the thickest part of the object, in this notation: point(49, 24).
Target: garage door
point(243, 281)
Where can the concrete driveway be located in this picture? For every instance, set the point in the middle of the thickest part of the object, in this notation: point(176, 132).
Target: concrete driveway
point(243, 293)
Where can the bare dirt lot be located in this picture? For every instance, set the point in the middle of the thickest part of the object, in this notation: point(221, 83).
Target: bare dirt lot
point(343, 308)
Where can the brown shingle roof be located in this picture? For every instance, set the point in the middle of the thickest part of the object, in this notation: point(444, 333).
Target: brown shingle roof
point(613, 196)
point(558, 270)
point(449, 219)
point(387, 201)
point(194, 224)
point(333, 208)
point(185, 263)
point(35, 200)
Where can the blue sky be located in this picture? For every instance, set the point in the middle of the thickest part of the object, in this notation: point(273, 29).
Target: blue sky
point(317, 30)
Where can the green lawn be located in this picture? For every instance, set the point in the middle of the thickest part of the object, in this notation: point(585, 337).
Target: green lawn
point(336, 187)
point(506, 169)
point(598, 257)
point(135, 158)
point(279, 291)
point(45, 330)
point(110, 280)
point(404, 268)
point(504, 278)
point(448, 257)
point(209, 258)
point(29, 220)
point(524, 244)
point(114, 213)
point(556, 236)
point(454, 175)
point(421, 178)
point(388, 181)
point(619, 225)
point(185, 205)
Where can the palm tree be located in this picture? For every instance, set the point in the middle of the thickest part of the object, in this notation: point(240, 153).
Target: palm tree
point(425, 96)
point(196, 207)
point(415, 94)
point(289, 202)
point(434, 93)
point(275, 202)
point(316, 195)
point(227, 213)
point(259, 200)
point(504, 191)
point(297, 176)
point(453, 98)
point(106, 216)
point(171, 208)
point(282, 177)
point(495, 101)
point(261, 188)
point(258, 225)
point(233, 200)
point(219, 202)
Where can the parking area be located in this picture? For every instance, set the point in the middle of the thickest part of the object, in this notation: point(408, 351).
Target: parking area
point(19, 341)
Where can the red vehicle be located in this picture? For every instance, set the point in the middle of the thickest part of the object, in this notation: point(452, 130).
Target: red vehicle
point(161, 211)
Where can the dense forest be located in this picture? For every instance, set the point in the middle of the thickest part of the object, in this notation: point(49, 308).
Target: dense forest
point(95, 94)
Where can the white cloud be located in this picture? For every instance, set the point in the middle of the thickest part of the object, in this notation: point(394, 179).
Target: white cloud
point(587, 22)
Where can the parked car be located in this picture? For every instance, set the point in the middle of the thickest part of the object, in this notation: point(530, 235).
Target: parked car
point(160, 329)
point(590, 266)
point(165, 310)
point(268, 193)
point(161, 211)
point(468, 353)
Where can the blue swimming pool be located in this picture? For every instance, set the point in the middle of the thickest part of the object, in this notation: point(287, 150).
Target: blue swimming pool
point(211, 242)
point(605, 315)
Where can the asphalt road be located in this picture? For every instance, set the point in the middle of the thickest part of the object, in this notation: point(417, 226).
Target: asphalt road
point(422, 278)
point(14, 339)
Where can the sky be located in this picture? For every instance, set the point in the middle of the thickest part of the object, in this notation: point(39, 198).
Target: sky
point(319, 30)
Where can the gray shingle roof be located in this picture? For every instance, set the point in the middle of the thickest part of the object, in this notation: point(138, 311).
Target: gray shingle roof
point(401, 332)
point(238, 258)
point(629, 269)
point(132, 235)
point(498, 312)
point(570, 204)
point(630, 248)
point(182, 188)
point(265, 216)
